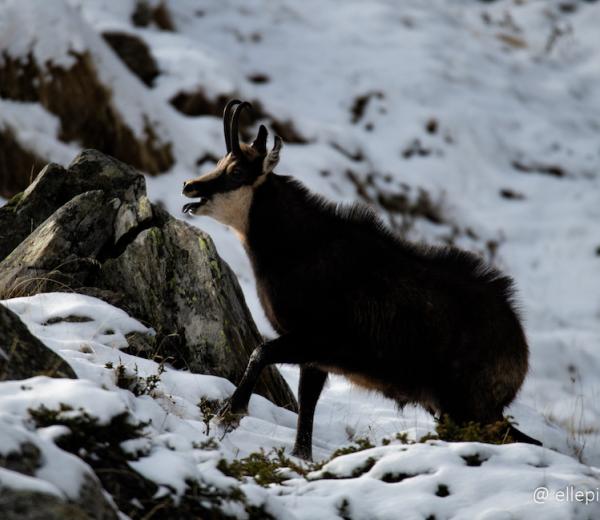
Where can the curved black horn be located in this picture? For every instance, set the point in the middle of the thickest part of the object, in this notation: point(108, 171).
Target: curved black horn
point(226, 120)
point(235, 124)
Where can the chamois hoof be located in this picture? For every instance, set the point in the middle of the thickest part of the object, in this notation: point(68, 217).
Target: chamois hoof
point(229, 416)
point(302, 453)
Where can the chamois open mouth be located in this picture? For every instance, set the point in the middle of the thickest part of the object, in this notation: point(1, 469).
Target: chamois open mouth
point(190, 207)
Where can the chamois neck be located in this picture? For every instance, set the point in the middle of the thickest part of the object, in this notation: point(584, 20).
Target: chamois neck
point(283, 211)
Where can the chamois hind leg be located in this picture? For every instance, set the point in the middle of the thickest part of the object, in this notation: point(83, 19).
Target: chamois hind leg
point(311, 384)
point(289, 348)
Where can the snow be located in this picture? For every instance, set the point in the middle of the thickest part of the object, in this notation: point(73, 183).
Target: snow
point(172, 451)
point(20, 20)
point(167, 467)
point(19, 481)
point(36, 130)
point(417, 472)
point(502, 90)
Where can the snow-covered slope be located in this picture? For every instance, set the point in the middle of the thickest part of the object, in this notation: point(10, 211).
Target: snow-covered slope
point(490, 108)
point(426, 480)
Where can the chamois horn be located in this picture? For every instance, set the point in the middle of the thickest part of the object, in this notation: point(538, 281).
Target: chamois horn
point(226, 121)
point(235, 123)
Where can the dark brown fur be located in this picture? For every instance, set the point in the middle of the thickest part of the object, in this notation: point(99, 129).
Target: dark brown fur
point(417, 323)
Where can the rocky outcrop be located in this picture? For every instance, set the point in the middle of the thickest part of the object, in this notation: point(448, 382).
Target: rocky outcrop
point(22, 355)
point(94, 231)
point(55, 186)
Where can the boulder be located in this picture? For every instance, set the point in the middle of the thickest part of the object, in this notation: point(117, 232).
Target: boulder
point(26, 504)
point(22, 355)
point(62, 252)
point(30, 486)
point(55, 186)
point(94, 231)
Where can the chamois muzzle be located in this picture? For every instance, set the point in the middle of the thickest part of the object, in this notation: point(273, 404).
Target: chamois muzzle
point(194, 189)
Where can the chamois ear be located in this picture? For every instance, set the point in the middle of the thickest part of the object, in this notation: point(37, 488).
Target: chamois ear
point(272, 157)
point(260, 143)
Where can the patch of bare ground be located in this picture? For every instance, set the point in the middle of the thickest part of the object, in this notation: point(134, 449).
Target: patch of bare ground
point(86, 112)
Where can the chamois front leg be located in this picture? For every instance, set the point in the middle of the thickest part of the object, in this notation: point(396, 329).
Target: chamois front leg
point(289, 348)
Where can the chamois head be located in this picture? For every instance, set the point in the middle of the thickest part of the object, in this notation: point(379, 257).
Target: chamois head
point(225, 193)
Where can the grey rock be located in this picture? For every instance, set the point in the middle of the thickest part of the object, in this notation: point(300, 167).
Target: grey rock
point(55, 186)
point(94, 231)
point(93, 500)
point(21, 504)
point(22, 355)
point(63, 251)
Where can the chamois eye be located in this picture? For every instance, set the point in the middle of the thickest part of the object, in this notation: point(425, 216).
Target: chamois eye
point(237, 173)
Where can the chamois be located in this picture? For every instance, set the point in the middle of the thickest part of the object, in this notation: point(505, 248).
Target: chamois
point(433, 326)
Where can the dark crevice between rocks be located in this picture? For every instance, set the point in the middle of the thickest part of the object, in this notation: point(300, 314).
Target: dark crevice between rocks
point(110, 250)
